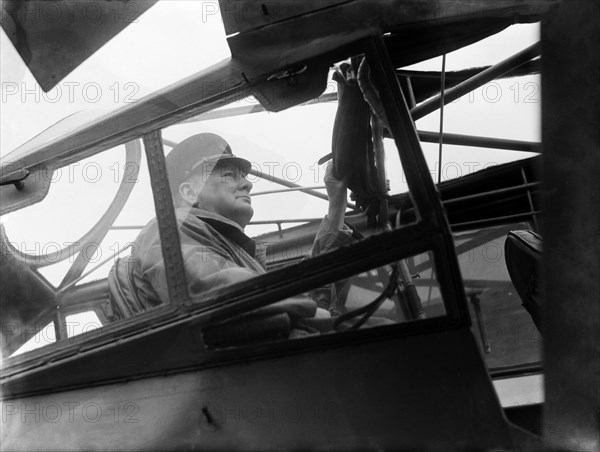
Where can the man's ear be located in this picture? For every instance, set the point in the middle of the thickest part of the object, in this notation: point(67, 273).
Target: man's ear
point(188, 191)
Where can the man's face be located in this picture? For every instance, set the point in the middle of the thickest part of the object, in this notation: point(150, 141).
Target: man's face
point(226, 191)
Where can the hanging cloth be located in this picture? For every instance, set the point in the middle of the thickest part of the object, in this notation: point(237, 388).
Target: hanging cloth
point(352, 144)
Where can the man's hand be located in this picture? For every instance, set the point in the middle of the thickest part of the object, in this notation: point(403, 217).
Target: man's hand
point(322, 314)
point(337, 191)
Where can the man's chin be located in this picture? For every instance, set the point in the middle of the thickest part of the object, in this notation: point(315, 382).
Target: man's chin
point(246, 213)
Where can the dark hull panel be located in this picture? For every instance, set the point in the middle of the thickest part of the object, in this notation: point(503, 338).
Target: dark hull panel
point(383, 394)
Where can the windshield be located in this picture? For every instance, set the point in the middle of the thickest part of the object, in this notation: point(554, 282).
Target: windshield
point(284, 146)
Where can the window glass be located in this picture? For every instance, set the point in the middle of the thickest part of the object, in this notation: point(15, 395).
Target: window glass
point(505, 108)
point(76, 324)
point(42, 338)
point(79, 195)
point(82, 322)
point(509, 336)
point(417, 296)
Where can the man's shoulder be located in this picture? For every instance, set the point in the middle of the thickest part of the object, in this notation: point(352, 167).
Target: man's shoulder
point(192, 228)
point(191, 220)
point(150, 230)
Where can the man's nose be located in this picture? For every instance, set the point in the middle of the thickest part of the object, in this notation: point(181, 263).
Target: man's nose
point(245, 184)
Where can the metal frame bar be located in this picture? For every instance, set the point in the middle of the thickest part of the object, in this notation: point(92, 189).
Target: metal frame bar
point(476, 81)
point(254, 108)
point(479, 141)
point(494, 221)
point(60, 325)
point(165, 216)
point(428, 207)
point(285, 190)
point(277, 221)
point(518, 370)
point(98, 265)
point(529, 199)
point(411, 93)
point(296, 220)
point(499, 191)
point(379, 151)
point(288, 184)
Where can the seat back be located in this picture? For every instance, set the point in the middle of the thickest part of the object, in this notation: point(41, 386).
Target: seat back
point(123, 293)
point(523, 251)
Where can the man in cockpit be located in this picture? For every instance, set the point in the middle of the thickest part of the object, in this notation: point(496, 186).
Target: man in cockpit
point(213, 206)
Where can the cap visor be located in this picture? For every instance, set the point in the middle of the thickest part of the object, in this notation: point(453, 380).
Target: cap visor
point(243, 164)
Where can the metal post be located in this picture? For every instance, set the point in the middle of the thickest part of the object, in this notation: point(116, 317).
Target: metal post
point(571, 226)
point(165, 215)
point(482, 142)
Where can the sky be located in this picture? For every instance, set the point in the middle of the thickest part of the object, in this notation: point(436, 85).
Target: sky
point(175, 39)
